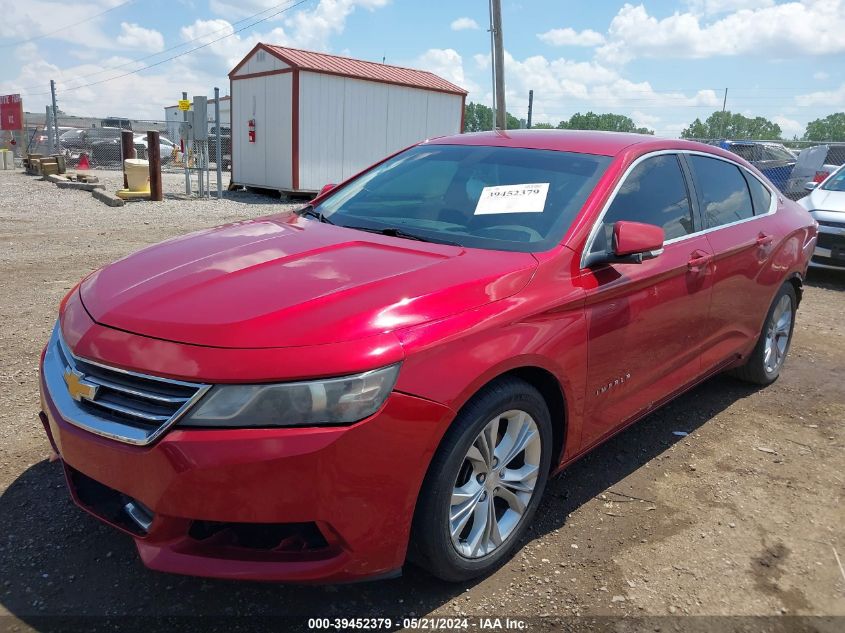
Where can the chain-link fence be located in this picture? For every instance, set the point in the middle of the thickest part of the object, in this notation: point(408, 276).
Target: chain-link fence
point(99, 147)
point(789, 165)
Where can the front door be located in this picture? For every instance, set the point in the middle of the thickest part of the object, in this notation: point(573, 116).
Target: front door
point(644, 320)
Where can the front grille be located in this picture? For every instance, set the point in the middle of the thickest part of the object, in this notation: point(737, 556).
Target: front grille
point(829, 261)
point(836, 225)
point(123, 405)
point(828, 240)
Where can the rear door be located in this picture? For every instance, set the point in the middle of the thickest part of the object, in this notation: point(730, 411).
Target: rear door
point(644, 319)
point(737, 210)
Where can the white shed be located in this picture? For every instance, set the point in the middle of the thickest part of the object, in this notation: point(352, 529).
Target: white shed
point(302, 119)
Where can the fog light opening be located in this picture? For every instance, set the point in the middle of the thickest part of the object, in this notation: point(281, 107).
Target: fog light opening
point(272, 537)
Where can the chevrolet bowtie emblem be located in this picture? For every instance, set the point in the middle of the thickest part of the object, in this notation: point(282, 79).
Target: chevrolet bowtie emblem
point(78, 387)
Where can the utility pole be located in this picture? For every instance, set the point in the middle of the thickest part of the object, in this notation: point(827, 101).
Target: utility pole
point(492, 66)
point(722, 125)
point(530, 106)
point(55, 122)
point(499, 64)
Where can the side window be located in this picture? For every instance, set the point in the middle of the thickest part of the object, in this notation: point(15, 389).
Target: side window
point(760, 195)
point(722, 190)
point(653, 193)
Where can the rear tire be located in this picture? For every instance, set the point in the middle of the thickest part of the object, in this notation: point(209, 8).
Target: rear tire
point(765, 362)
point(484, 483)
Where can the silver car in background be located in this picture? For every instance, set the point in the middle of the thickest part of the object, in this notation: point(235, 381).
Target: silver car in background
point(826, 203)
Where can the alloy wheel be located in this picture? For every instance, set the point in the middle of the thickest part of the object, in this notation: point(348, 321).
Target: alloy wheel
point(495, 484)
point(777, 335)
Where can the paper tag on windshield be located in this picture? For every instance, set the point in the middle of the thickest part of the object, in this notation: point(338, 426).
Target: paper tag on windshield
point(513, 199)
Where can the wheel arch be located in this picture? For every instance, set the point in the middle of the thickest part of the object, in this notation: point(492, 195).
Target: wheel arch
point(553, 392)
point(797, 282)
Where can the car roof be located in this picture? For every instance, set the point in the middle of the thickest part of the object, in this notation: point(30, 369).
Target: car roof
point(580, 141)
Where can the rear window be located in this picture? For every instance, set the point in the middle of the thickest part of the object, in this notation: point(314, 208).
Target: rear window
point(760, 195)
point(835, 155)
point(722, 191)
point(774, 152)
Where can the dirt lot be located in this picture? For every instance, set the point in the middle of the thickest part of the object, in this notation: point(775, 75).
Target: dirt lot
point(651, 524)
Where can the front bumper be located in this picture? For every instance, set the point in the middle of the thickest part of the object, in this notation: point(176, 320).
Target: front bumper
point(356, 485)
point(830, 243)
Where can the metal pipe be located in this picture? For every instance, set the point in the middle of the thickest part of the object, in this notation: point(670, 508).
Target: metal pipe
point(219, 151)
point(186, 143)
point(154, 157)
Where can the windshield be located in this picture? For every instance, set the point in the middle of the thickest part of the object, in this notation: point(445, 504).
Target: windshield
point(836, 182)
point(497, 198)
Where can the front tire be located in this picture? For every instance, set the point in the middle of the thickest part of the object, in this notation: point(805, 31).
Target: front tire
point(484, 483)
point(765, 362)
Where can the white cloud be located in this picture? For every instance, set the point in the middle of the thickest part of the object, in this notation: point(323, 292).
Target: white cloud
point(829, 98)
point(789, 127)
point(563, 86)
point(571, 37)
point(312, 29)
point(643, 119)
point(809, 27)
point(134, 36)
point(28, 19)
point(447, 63)
point(821, 75)
point(464, 24)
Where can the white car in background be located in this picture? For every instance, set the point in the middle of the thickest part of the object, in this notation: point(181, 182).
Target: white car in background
point(826, 204)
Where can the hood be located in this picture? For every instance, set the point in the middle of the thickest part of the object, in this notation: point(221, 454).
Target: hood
point(824, 200)
point(288, 281)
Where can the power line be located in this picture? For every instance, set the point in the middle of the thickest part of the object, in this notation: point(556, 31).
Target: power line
point(164, 61)
point(166, 50)
point(67, 26)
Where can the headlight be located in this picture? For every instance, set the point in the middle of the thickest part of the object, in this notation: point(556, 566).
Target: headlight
point(330, 401)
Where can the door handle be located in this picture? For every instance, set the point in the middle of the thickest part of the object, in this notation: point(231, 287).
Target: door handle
point(764, 240)
point(697, 260)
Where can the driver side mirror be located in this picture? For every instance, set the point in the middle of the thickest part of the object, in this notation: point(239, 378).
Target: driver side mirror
point(809, 186)
point(326, 189)
point(633, 243)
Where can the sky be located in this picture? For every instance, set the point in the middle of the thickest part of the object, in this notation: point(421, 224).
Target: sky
point(661, 63)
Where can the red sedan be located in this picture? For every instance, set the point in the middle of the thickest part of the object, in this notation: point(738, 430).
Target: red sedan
point(395, 370)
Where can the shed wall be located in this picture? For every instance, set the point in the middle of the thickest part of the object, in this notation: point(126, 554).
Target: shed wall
point(261, 62)
point(347, 124)
point(267, 162)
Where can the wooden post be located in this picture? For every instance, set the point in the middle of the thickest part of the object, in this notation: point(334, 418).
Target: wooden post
point(154, 156)
point(127, 150)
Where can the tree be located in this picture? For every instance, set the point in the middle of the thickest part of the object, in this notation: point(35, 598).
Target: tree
point(479, 117)
point(830, 128)
point(608, 122)
point(542, 126)
point(732, 125)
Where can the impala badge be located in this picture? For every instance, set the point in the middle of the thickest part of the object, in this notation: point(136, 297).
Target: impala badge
point(616, 382)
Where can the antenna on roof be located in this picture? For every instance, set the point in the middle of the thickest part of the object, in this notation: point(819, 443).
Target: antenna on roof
point(383, 58)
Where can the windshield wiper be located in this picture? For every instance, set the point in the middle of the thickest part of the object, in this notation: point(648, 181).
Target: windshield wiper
point(309, 210)
point(393, 231)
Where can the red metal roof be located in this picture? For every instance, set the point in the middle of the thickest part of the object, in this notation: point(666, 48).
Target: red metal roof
point(360, 69)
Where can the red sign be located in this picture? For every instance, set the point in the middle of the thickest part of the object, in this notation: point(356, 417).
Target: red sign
point(11, 112)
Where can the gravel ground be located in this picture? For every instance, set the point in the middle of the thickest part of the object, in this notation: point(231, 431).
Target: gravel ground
point(650, 524)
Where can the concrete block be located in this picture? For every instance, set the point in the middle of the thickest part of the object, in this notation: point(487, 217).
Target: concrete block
point(108, 198)
point(79, 186)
